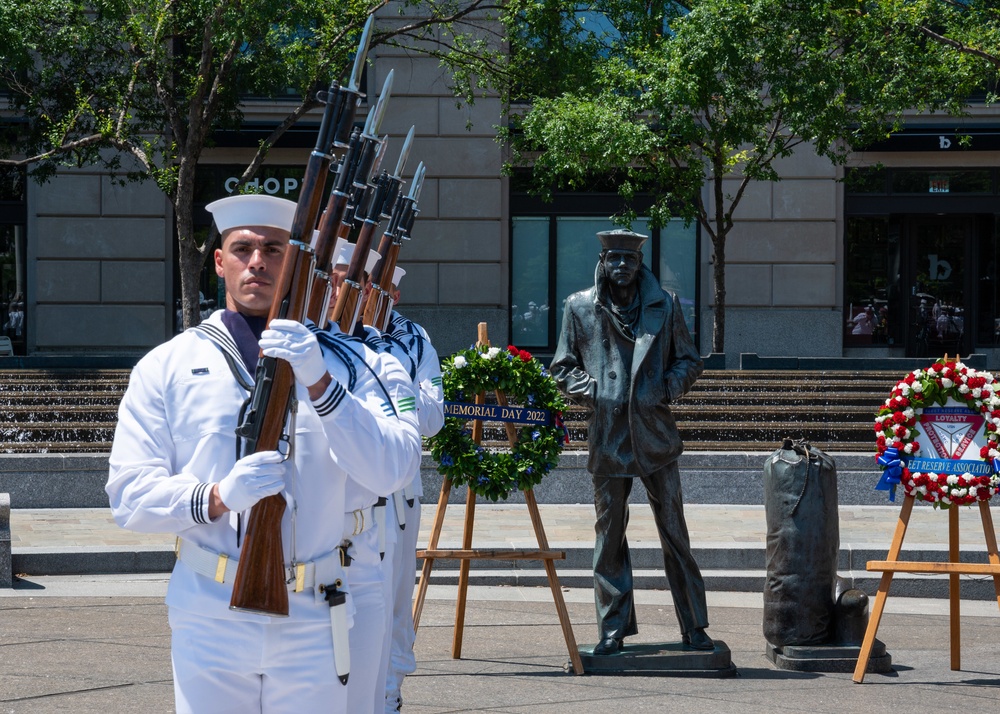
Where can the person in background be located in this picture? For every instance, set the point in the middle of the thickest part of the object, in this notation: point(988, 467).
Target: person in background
point(426, 377)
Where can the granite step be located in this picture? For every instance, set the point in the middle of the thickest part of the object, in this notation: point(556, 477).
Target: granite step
point(728, 541)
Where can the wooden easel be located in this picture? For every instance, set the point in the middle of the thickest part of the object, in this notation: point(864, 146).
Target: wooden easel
point(953, 567)
point(466, 554)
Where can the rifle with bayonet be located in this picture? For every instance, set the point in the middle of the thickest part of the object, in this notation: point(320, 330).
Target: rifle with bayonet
point(378, 305)
point(260, 582)
point(371, 209)
point(339, 209)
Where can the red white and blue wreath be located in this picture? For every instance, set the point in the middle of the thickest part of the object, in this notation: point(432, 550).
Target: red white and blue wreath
point(965, 397)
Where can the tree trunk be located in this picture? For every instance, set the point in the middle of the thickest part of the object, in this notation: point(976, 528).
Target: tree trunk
point(191, 256)
point(723, 222)
point(719, 279)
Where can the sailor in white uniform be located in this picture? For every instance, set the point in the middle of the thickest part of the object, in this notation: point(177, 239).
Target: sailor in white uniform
point(430, 411)
point(175, 468)
point(365, 524)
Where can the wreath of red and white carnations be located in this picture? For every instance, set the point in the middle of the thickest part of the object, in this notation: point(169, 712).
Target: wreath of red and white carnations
point(896, 422)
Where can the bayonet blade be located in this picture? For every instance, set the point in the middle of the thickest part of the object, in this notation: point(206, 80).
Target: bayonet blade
point(418, 181)
point(362, 55)
point(379, 111)
point(404, 153)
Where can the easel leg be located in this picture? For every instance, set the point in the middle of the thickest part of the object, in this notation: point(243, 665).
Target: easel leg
point(954, 592)
point(991, 543)
point(883, 591)
point(550, 571)
point(425, 571)
point(869, 642)
point(463, 576)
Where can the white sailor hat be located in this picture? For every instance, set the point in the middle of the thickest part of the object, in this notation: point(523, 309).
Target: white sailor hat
point(397, 275)
point(252, 210)
point(344, 251)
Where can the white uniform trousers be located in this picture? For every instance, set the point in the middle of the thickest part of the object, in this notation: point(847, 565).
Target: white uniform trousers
point(404, 574)
point(365, 583)
point(388, 563)
point(236, 667)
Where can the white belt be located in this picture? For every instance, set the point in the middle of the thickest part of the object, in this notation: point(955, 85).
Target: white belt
point(222, 568)
point(358, 521)
point(410, 492)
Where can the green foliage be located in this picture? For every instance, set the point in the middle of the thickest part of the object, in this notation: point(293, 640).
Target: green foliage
point(138, 87)
point(723, 90)
point(492, 473)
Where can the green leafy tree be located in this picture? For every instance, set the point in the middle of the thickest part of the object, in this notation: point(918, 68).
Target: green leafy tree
point(969, 27)
point(671, 99)
point(139, 86)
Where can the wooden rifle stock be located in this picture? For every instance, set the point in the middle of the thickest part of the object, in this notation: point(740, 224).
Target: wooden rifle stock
point(260, 582)
point(259, 585)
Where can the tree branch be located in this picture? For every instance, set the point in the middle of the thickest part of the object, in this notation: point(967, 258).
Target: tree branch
point(80, 143)
point(959, 46)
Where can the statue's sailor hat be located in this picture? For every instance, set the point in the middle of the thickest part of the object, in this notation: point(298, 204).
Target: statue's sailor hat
point(344, 251)
point(397, 275)
point(621, 239)
point(252, 210)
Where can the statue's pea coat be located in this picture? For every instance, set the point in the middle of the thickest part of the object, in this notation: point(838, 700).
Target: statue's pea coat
point(629, 387)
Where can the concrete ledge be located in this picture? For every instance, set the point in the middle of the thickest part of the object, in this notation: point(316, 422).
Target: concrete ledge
point(55, 480)
point(6, 573)
point(79, 560)
point(736, 568)
point(79, 361)
point(735, 478)
point(77, 480)
point(718, 581)
point(751, 361)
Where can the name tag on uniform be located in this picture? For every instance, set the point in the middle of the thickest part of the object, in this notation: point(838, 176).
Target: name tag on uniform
point(199, 370)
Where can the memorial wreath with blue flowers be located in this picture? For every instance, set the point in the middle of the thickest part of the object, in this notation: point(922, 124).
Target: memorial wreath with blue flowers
point(488, 471)
point(896, 434)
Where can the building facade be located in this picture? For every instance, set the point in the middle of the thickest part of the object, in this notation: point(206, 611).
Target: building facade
point(892, 255)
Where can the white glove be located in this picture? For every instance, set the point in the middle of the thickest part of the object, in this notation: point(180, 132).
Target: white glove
point(252, 478)
point(293, 342)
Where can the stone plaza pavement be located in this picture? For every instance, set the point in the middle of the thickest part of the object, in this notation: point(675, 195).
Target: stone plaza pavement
point(100, 643)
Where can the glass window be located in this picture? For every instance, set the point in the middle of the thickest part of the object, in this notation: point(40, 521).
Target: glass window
point(679, 265)
point(13, 308)
point(214, 182)
point(871, 295)
point(12, 184)
point(988, 332)
point(866, 180)
point(13, 258)
point(529, 282)
point(539, 287)
point(577, 251)
point(942, 181)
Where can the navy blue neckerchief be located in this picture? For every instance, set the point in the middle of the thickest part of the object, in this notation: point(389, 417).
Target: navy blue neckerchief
point(246, 330)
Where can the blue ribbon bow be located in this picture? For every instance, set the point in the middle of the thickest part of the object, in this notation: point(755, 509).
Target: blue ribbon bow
point(892, 473)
